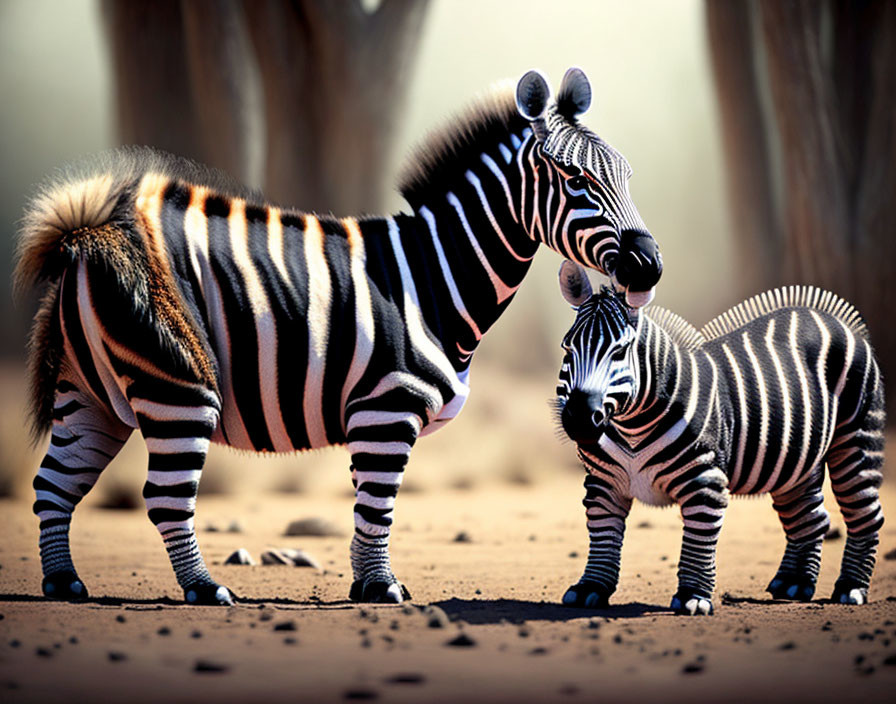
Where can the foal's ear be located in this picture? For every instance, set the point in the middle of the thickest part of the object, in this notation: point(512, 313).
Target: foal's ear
point(574, 283)
point(574, 96)
point(532, 94)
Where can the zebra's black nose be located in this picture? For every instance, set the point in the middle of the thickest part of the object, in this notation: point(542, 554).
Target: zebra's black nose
point(582, 416)
point(640, 265)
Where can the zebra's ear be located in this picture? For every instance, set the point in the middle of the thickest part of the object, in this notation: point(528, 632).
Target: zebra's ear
point(532, 93)
point(574, 283)
point(574, 96)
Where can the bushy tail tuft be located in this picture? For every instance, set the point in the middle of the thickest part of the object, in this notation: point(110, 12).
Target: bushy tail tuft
point(55, 219)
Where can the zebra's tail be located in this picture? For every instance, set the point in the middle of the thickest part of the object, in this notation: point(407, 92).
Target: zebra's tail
point(70, 218)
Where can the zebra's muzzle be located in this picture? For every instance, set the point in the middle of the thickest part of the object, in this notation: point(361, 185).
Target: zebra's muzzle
point(583, 416)
point(639, 267)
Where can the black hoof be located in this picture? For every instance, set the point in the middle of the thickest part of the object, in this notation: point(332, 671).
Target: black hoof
point(587, 595)
point(208, 595)
point(848, 591)
point(691, 602)
point(791, 587)
point(379, 592)
point(65, 586)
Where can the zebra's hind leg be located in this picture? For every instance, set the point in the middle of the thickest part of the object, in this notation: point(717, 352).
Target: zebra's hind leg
point(380, 444)
point(85, 438)
point(805, 521)
point(177, 437)
point(854, 464)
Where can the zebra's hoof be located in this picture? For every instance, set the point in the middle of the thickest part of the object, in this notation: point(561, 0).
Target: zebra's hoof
point(587, 595)
point(379, 592)
point(65, 586)
point(791, 587)
point(848, 592)
point(208, 595)
point(689, 602)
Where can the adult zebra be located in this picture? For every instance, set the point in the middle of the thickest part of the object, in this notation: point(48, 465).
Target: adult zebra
point(757, 402)
point(196, 313)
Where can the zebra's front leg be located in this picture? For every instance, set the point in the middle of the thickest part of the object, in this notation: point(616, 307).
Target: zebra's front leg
point(177, 438)
point(606, 512)
point(380, 444)
point(703, 499)
point(805, 522)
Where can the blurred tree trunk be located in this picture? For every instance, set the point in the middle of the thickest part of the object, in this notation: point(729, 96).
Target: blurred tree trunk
point(807, 95)
point(332, 77)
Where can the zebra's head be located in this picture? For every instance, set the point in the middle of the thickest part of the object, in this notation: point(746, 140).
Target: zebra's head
point(598, 378)
point(576, 199)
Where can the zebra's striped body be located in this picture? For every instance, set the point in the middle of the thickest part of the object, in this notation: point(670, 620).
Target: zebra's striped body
point(195, 313)
point(759, 401)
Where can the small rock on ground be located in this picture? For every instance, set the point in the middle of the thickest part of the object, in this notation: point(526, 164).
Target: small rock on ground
point(288, 556)
point(316, 527)
point(834, 533)
point(239, 557)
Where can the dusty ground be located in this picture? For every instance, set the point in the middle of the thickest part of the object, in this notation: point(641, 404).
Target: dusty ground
point(294, 636)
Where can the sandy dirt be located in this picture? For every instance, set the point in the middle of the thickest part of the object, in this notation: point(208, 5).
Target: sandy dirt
point(295, 637)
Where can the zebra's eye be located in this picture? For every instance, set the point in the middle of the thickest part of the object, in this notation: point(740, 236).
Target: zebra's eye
point(578, 183)
point(618, 355)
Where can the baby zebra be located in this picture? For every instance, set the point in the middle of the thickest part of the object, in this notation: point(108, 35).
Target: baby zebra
point(758, 401)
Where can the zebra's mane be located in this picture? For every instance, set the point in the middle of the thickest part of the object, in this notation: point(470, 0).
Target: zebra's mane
point(679, 329)
point(787, 297)
point(448, 151)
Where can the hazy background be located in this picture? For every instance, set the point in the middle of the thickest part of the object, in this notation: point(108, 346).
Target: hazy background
point(653, 100)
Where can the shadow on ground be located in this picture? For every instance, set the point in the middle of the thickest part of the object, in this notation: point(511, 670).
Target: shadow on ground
point(492, 611)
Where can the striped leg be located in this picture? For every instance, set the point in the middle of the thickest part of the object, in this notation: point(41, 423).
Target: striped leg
point(606, 511)
point(85, 439)
point(703, 498)
point(855, 468)
point(380, 444)
point(805, 521)
point(177, 438)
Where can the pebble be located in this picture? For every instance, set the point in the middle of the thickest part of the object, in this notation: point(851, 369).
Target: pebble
point(462, 537)
point(316, 527)
point(164, 631)
point(834, 533)
point(406, 678)
point(116, 656)
point(234, 527)
point(44, 653)
point(120, 618)
point(210, 666)
point(288, 556)
point(286, 626)
point(239, 557)
point(462, 641)
point(890, 555)
point(692, 668)
point(436, 617)
point(361, 694)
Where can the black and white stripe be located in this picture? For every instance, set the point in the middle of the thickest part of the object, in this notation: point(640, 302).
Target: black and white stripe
point(759, 401)
point(198, 314)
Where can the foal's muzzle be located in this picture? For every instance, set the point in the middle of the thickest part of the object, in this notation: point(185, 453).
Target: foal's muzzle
point(583, 416)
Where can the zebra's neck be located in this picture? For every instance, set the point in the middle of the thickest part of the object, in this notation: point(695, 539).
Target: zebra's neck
point(480, 252)
point(659, 361)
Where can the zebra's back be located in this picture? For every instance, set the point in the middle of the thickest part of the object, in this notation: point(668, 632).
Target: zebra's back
point(796, 369)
